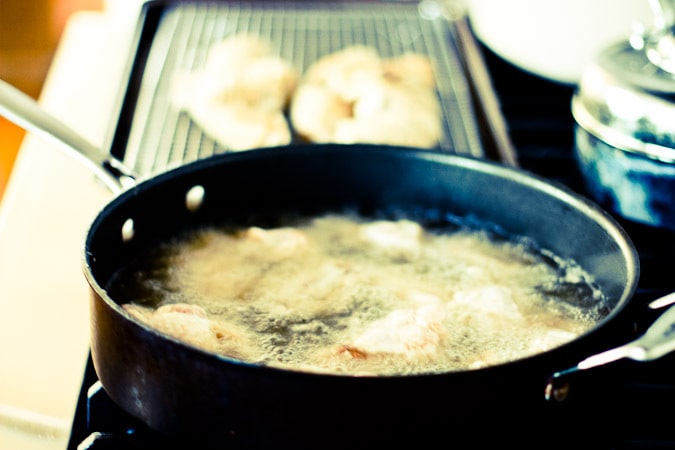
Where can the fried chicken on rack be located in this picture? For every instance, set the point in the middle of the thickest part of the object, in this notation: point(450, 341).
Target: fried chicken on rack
point(238, 97)
point(354, 96)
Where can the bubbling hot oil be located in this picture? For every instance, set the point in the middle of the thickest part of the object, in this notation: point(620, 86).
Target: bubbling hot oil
point(349, 295)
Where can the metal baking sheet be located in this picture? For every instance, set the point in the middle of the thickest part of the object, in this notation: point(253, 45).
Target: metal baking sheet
point(173, 37)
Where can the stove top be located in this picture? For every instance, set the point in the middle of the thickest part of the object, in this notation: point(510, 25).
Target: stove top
point(537, 114)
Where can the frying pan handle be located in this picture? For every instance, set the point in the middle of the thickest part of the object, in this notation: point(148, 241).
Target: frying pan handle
point(29, 115)
point(657, 341)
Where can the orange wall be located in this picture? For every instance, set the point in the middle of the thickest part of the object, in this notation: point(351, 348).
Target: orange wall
point(29, 33)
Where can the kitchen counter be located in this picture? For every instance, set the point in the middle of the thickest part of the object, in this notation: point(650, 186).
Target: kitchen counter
point(50, 200)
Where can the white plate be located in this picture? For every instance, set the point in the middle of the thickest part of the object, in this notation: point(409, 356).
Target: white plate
point(555, 39)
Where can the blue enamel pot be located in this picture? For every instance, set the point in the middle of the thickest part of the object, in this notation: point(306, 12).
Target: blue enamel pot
point(624, 109)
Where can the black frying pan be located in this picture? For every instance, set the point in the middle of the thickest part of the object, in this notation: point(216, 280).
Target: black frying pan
point(189, 393)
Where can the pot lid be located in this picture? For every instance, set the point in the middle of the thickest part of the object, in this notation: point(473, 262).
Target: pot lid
point(627, 96)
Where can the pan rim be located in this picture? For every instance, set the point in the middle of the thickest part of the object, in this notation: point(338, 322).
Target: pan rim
point(466, 162)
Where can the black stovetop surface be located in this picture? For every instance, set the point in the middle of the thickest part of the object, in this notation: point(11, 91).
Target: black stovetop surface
point(538, 117)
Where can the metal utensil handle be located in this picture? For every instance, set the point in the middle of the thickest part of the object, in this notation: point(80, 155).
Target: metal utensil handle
point(29, 115)
point(657, 341)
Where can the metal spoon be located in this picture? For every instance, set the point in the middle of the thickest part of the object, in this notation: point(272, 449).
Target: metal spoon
point(657, 341)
